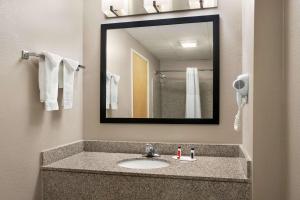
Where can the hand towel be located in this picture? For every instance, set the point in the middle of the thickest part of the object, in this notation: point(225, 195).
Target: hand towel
point(108, 84)
point(69, 68)
point(193, 106)
point(112, 84)
point(114, 91)
point(48, 80)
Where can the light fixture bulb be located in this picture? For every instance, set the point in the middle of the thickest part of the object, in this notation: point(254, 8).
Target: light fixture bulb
point(194, 4)
point(210, 3)
point(120, 7)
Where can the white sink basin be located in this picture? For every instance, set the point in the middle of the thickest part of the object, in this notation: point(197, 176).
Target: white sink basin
point(145, 163)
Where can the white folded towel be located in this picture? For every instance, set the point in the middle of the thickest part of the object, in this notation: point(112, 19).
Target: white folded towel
point(69, 68)
point(112, 83)
point(48, 80)
point(108, 81)
point(114, 91)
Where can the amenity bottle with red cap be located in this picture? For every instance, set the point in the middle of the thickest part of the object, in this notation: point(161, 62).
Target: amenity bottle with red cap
point(179, 152)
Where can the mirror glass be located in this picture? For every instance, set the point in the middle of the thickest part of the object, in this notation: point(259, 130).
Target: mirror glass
point(118, 8)
point(161, 72)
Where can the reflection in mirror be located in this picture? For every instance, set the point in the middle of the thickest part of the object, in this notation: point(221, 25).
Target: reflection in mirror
point(117, 8)
point(160, 72)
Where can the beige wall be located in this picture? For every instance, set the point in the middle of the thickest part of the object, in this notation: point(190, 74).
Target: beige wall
point(268, 110)
point(264, 116)
point(26, 129)
point(248, 62)
point(120, 45)
point(271, 131)
point(248, 67)
point(292, 16)
point(231, 43)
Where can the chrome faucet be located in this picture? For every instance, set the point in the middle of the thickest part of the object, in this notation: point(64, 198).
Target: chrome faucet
point(150, 151)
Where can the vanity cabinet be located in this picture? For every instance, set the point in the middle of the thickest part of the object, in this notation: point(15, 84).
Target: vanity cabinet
point(58, 185)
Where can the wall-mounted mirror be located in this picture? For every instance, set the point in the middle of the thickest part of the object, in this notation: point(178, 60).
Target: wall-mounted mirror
point(161, 71)
point(121, 8)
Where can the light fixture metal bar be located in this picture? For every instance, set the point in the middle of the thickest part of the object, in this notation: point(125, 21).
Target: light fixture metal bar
point(114, 11)
point(171, 70)
point(201, 4)
point(156, 7)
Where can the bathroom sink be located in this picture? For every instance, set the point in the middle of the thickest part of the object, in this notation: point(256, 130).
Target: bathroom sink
point(145, 163)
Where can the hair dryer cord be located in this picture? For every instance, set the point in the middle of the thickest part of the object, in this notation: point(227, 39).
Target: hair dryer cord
point(237, 120)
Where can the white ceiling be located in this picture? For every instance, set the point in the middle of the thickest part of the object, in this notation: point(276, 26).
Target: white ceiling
point(163, 41)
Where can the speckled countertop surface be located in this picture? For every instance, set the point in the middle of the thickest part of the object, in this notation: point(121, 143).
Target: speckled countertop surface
point(204, 168)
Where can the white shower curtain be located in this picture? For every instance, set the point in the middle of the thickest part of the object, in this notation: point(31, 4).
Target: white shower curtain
point(193, 106)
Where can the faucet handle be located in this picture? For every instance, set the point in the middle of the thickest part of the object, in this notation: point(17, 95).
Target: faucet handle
point(149, 150)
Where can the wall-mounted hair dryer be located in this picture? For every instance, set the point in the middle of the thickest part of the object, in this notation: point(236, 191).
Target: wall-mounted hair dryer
point(241, 85)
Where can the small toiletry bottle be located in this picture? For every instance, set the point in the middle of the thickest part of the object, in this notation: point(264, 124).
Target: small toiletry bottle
point(179, 152)
point(192, 153)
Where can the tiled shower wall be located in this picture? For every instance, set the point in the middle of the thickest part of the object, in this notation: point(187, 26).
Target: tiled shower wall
point(173, 97)
point(172, 89)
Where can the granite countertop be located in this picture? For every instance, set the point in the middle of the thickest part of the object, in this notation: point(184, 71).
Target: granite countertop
point(204, 168)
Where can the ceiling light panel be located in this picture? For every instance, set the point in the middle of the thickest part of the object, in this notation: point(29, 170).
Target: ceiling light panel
point(188, 44)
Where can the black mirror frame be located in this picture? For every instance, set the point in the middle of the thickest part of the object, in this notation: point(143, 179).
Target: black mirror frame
point(172, 21)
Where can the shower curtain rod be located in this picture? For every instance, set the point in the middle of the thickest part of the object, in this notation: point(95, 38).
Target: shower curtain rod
point(170, 70)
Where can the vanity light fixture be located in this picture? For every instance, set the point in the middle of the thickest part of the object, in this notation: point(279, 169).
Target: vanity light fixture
point(188, 44)
point(115, 8)
point(157, 6)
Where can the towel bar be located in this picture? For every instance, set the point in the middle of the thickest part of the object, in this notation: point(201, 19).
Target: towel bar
point(27, 54)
